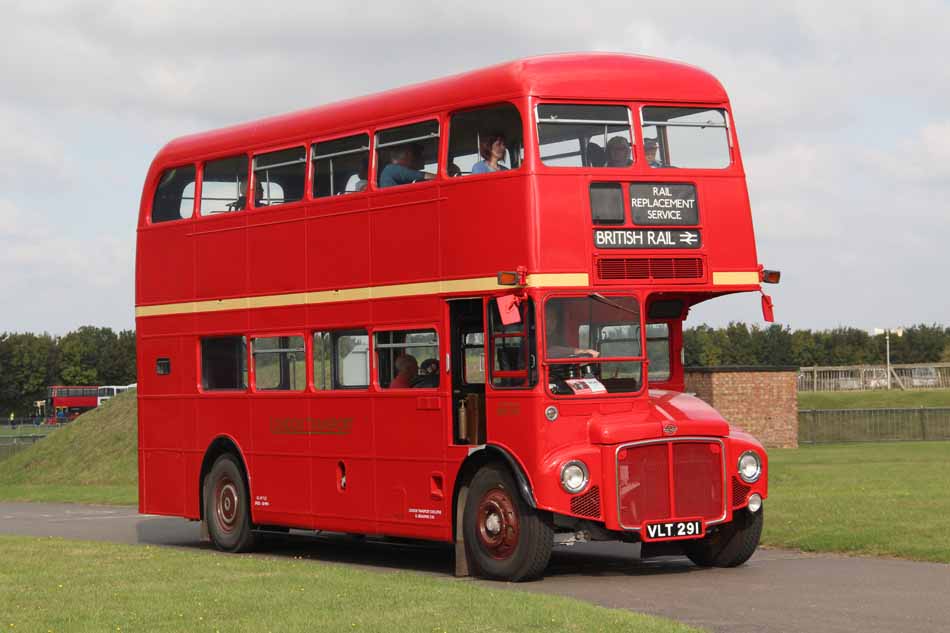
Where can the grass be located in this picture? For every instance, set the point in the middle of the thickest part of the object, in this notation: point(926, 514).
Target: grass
point(91, 460)
point(889, 499)
point(882, 399)
point(58, 585)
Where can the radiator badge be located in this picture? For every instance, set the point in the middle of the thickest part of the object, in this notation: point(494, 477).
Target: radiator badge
point(670, 429)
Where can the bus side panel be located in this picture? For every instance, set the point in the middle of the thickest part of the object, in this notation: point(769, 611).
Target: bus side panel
point(342, 446)
point(164, 420)
point(165, 264)
point(276, 251)
point(729, 236)
point(338, 251)
point(489, 217)
point(411, 441)
point(280, 461)
point(221, 257)
point(414, 219)
point(560, 224)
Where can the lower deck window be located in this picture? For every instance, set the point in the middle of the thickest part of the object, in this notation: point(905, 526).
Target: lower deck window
point(223, 363)
point(407, 359)
point(280, 363)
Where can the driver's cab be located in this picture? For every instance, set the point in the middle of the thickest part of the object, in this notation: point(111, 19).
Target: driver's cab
point(594, 345)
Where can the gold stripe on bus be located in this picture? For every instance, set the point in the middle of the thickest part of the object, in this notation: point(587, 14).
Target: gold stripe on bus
point(735, 279)
point(476, 284)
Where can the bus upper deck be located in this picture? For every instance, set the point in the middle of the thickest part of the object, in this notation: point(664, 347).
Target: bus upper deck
point(630, 175)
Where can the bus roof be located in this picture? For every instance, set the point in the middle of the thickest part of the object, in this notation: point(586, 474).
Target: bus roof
point(604, 76)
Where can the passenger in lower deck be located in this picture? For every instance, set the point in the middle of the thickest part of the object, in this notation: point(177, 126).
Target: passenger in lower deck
point(407, 370)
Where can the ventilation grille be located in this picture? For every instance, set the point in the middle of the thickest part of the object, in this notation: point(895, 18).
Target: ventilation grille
point(650, 268)
point(739, 492)
point(587, 504)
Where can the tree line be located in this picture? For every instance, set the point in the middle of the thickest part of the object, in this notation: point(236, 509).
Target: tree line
point(29, 363)
point(741, 344)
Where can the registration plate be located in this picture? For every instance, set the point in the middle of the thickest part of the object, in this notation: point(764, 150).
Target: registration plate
point(672, 530)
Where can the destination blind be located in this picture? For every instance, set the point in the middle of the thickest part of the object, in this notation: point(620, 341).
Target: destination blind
point(664, 204)
point(647, 238)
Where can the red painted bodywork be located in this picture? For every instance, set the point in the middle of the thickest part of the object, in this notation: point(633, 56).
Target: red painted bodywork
point(399, 454)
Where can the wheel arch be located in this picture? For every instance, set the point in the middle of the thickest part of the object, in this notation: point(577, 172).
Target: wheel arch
point(489, 453)
point(219, 446)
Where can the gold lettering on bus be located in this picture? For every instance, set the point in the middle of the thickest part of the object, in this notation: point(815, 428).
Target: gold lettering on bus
point(508, 409)
point(311, 426)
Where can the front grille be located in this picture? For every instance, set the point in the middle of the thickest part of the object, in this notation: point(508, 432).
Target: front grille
point(587, 504)
point(669, 480)
point(739, 492)
point(650, 268)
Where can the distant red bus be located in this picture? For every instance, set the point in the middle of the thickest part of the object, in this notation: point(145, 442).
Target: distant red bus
point(65, 402)
point(453, 312)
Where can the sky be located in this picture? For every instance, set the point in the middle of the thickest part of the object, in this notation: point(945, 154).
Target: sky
point(842, 111)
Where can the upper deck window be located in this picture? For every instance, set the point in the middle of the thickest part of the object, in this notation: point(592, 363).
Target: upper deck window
point(485, 141)
point(407, 154)
point(340, 165)
point(224, 185)
point(686, 137)
point(279, 177)
point(175, 195)
point(584, 135)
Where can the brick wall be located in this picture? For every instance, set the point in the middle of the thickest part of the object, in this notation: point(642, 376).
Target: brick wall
point(761, 400)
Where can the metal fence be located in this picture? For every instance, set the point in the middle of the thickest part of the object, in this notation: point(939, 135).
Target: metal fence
point(858, 377)
point(14, 443)
point(873, 425)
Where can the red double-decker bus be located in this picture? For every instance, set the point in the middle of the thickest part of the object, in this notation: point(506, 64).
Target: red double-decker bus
point(452, 311)
point(65, 402)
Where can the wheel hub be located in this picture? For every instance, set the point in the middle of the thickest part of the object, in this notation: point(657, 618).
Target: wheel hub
point(226, 506)
point(498, 525)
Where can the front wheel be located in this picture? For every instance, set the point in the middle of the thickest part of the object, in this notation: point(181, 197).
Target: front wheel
point(732, 545)
point(226, 505)
point(504, 537)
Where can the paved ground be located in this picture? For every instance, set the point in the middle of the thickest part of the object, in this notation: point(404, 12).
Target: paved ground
point(776, 591)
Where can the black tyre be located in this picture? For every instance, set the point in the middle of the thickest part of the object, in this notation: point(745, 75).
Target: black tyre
point(732, 544)
point(227, 506)
point(504, 537)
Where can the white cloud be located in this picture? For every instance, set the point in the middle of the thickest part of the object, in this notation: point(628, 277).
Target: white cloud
point(840, 111)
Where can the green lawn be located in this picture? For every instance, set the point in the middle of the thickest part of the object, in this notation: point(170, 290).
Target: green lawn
point(889, 499)
point(883, 399)
point(58, 585)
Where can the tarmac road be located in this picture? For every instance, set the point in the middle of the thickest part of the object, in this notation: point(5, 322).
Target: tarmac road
point(777, 591)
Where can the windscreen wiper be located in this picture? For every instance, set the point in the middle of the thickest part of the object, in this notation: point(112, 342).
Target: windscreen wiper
point(599, 297)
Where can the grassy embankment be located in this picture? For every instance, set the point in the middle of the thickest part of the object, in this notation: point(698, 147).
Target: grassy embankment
point(91, 460)
point(883, 399)
point(58, 585)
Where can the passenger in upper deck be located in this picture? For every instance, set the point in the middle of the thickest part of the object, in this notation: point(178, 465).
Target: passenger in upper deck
point(649, 150)
point(492, 148)
point(618, 152)
point(404, 167)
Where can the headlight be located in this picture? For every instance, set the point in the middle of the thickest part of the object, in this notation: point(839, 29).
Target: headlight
point(750, 467)
point(574, 476)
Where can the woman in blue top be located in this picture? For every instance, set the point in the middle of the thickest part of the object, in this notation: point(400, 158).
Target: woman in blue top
point(492, 148)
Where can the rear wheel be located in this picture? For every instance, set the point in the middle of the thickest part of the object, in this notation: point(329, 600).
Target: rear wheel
point(731, 545)
point(504, 537)
point(227, 507)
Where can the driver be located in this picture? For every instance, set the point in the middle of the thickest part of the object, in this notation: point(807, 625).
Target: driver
point(556, 337)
